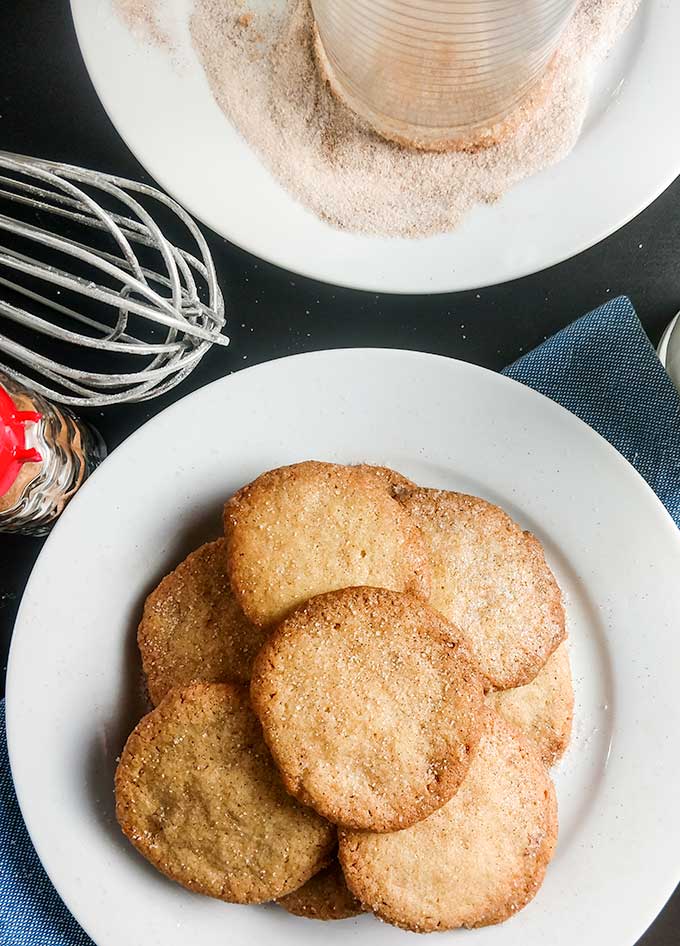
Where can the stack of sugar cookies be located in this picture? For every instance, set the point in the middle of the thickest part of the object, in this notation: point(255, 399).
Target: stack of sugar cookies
point(357, 691)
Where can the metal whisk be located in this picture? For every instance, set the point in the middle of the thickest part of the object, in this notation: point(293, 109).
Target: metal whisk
point(83, 262)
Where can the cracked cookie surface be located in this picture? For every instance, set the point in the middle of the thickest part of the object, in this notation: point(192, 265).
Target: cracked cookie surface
point(476, 861)
point(370, 706)
point(309, 528)
point(198, 795)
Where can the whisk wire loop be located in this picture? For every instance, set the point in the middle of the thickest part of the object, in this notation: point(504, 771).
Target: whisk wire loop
point(123, 292)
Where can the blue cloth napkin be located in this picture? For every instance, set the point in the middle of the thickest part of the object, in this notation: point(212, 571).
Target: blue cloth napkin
point(604, 370)
point(31, 912)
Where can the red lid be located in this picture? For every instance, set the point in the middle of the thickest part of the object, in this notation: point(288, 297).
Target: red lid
point(13, 449)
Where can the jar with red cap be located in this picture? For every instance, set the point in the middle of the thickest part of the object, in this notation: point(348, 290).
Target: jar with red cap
point(45, 455)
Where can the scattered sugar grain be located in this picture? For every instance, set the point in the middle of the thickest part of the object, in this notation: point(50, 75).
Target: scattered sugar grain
point(144, 18)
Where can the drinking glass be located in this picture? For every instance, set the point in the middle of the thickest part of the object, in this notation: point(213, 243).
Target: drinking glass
point(439, 73)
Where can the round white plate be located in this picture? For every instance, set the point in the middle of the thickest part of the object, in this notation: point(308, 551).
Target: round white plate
point(74, 673)
point(628, 154)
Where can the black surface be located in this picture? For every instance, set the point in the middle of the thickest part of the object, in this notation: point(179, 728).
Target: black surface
point(49, 108)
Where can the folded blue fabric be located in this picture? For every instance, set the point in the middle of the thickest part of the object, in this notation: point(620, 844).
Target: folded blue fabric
point(31, 912)
point(604, 370)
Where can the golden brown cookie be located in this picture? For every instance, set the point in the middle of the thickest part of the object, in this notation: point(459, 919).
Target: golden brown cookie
point(198, 795)
point(192, 629)
point(301, 530)
point(544, 708)
point(395, 482)
point(491, 579)
point(476, 861)
point(370, 706)
point(325, 897)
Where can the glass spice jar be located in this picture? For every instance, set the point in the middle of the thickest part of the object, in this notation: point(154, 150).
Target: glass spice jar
point(45, 455)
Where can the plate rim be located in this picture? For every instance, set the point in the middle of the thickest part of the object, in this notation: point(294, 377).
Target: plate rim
point(13, 737)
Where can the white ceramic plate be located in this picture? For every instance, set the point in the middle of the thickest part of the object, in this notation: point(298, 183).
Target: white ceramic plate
point(73, 672)
point(628, 153)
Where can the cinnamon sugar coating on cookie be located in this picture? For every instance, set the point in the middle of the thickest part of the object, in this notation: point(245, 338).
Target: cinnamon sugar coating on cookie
point(544, 708)
point(370, 706)
point(492, 580)
point(476, 861)
point(325, 897)
point(305, 529)
point(198, 795)
point(192, 630)
point(396, 482)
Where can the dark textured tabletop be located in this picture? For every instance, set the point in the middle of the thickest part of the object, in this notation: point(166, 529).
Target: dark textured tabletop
point(48, 108)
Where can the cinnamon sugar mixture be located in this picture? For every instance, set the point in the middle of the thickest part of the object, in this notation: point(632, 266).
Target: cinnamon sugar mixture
point(259, 62)
point(144, 18)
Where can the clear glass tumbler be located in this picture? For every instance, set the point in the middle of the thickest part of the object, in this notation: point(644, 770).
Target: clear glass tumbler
point(439, 74)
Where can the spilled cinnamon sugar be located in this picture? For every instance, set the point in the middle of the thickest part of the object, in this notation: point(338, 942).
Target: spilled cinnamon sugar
point(259, 63)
